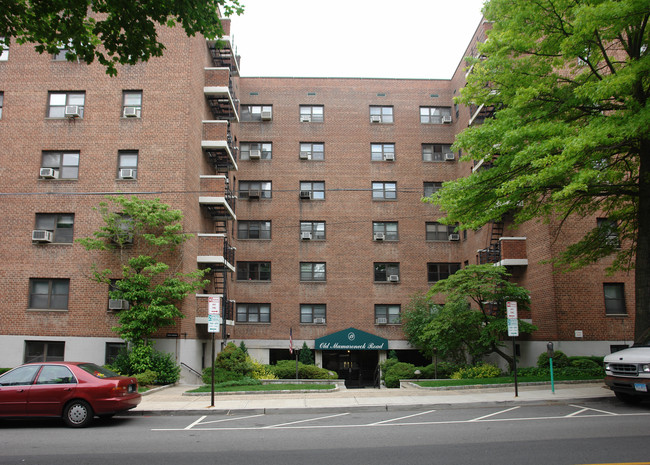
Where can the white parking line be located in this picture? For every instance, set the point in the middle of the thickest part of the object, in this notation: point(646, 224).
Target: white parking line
point(584, 409)
point(495, 413)
point(196, 422)
point(400, 418)
point(280, 425)
point(227, 419)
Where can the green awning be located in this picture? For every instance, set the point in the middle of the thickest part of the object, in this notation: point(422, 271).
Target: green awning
point(351, 339)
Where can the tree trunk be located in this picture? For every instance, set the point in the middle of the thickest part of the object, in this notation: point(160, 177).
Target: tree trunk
point(506, 357)
point(642, 261)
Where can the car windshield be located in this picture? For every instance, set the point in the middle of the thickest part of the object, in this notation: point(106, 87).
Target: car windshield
point(97, 371)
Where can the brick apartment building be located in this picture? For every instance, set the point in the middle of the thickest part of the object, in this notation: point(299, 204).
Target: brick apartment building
point(303, 195)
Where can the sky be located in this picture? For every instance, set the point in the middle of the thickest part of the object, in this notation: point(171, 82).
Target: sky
point(417, 39)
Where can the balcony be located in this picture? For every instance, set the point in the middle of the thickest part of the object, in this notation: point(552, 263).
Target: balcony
point(222, 51)
point(215, 252)
point(217, 145)
point(217, 198)
point(220, 92)
point(513, 251)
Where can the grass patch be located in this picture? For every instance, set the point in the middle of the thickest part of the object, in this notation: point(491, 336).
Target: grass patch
point(266, 387)
point(500, 380)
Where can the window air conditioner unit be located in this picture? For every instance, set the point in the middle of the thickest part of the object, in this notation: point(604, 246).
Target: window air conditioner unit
point(130, 112)
point(306, 195)
point(42, 235)
point(126, 173)
point(319, 321)
point(304, 155)
point(380, 236)
point(72, 111)
point(393, 278)
point(48, 173)
point(381, 321)
point(118, 304)
point(389, 157)
point(266, 116)
point(305, 236)
point(449, 156)
point(446, 119)
point(253, 194)
point(375, 119)
point(454, 237)
point(255, 154)
point(305, 118)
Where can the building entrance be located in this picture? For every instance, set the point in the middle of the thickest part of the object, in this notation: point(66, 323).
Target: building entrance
point(359, 368)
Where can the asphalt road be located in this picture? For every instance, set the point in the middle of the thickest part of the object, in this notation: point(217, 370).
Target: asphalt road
point(585, 433)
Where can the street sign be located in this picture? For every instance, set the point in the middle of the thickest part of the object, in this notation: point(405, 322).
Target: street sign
point(214, 314)
point(511, 310)
point(513, 327)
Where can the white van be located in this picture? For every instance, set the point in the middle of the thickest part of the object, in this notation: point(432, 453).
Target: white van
point(628, 373)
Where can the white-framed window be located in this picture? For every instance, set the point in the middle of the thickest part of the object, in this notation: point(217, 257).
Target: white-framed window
point(312, 151)
point(253, 271)
point(438, 271)
point(382, 152)
point(255, 150)
point(254, 189)
point(253, 313)
point(253, 229)
point(49, 294)
point(438, 232)
point(58, 102)
point(386, 272)
point(132, 104)
point(314, 190)
point(614, 294)
point(127, 164)
point(313, 313)
point(436, 152)
point(381, 114)
point(384, 190)
point(387, 314)
point(61, 225)
point(251, 113)
point(312, 113)
point(385, 230)
point(435, 115)
point(315, 229)
point(64, 164)
point(312, 271)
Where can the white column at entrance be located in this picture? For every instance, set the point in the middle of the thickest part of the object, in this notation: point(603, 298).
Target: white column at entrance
point(318, 358)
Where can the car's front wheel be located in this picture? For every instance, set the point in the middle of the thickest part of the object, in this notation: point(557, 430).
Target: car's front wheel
point(78, 414)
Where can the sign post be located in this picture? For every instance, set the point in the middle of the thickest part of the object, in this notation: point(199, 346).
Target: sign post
point(551, 352)
point(513, 331)
point(214, 313)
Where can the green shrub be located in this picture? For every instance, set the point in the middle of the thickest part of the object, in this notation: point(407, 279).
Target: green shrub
point(306, 355)
point(220, 375)
point(4, 370)
point(239, 382)
point(397, 371)
point(142, 358)
point(483, 370)
point(286, 369)
point(584, 364)
point(594, 358)
point(166, 368)
point(261, 371)
point(559, 360)
point(441, 371)
point(233, 358)
point(387, 365)
point(146, 378)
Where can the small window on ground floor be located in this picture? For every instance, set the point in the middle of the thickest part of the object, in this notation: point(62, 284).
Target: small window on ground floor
point(44, 351)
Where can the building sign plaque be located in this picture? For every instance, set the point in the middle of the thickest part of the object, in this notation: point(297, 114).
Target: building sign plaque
point(351, 339)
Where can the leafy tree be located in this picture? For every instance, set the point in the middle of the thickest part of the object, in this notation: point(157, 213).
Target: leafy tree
point(113, 32)
point(571, 135)
point(148, 227)
point(306, 356)
point(456, 328)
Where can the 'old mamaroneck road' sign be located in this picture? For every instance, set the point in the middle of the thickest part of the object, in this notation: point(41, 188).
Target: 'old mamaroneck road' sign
point(351, 339)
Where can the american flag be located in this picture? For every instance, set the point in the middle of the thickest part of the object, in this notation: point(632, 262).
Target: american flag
point(291, 340)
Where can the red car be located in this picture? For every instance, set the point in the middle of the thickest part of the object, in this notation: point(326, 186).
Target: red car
point(74, 391)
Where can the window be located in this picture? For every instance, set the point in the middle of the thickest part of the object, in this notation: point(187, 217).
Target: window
point(312, 151)
point(64, 49)
point(438, 271)
point(382, 152)
point(253, 230)
point(60, 224)
point(314, 190)
point(253, 271)
point(435, 115)
point(127, 164)
point(315, 228)
point(386, 272)
point(384, 191)
point(44, 351)
point(431, 188)
point(255, 150)
point(65, 164)
point(311, 113)
point(312, 313)
point(438, 232)
point(58, 101)
point(312, 271)
point(254, 189)
point(387, 314)
point(125, 234)
point(383, 230)
point(614, 298)
point(4, 50)
point(381, 114)
point(253, 313)
point(113, 349)
point(436, 152)
point(256, 112)
point(21, 376)
point(49, 293)
point(132, 104)
point(609, 231)
point(2, 95)
point(55, 374)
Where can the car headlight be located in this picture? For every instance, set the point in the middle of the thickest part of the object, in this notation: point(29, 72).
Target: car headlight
point(607, 367)
point(645, 367)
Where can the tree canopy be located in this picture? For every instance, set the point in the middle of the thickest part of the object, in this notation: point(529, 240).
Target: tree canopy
point(569, 81)
point(111, 31)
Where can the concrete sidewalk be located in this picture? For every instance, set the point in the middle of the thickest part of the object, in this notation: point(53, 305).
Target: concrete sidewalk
point(173, 400)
